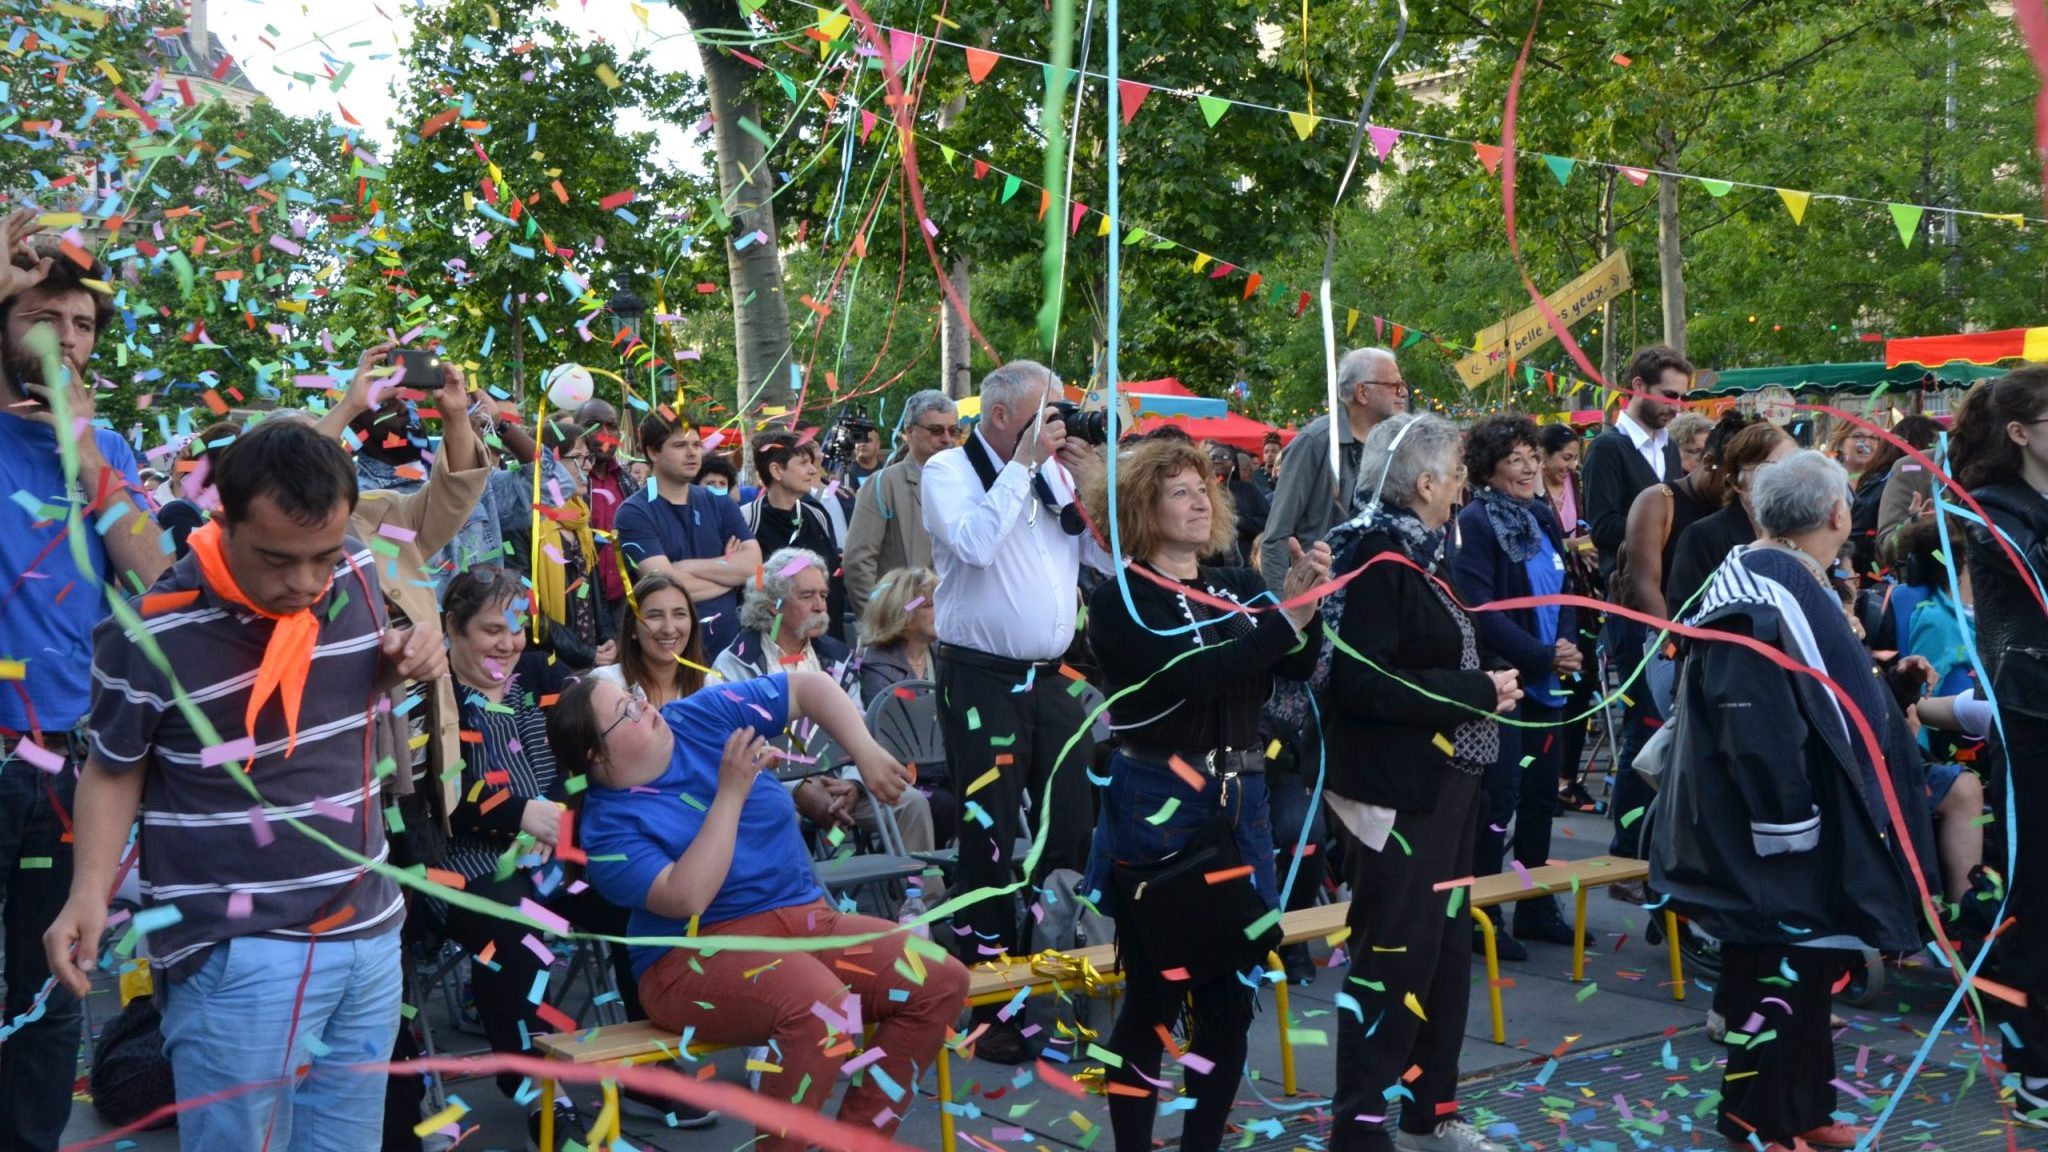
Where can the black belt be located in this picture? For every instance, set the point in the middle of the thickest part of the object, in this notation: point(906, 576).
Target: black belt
point(1222, 763)
point(953, 653)
point(62, 743)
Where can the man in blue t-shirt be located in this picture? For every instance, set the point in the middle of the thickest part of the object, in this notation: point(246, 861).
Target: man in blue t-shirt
point(49, 603)
point(698, 537)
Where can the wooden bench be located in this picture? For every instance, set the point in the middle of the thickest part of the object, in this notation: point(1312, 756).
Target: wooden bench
point(999, 981)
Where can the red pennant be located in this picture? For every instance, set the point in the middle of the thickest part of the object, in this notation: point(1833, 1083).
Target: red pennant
point(867, 125)
point(1301, 305)
point(979, 62)
point(1489, 155)
point(1131, 96)
point(980, 169)
point(1222, 270)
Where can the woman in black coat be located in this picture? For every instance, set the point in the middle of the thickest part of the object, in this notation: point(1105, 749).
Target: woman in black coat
point(1509, 546)
point(1409, 723)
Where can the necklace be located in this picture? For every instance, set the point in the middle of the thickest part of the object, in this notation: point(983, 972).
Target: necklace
point(1811, 564)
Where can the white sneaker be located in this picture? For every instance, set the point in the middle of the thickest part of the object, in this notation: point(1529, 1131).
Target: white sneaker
point(1717, 1026)
point(1453, 1135)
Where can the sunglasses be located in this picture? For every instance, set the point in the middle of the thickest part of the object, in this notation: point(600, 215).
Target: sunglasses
point(939, 429)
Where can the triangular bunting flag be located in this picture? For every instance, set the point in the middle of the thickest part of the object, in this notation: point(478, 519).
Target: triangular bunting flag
point(1130, 97)
point(1044, 202)
point(1213, 108)
point(1103, 228)
point(831, 101)
point(1489, 155)
point(867, 124)
point(1907, 217)
point(979, 62)
point(1636, 176)
point(1201, 261)
point(1560, 167)
point(1382, 140)
point(1251, 285)
point(1397, 336)
point(833, 25)
point(946, 150)
point(1010, 186)
point(1074, 225)
point(1716, 188)
point(980, 169)
point(1222, 270)
point(1304, 123)
point(1795, 203)
point(1350, 321)
point(1301, 305)
point(1136, 234)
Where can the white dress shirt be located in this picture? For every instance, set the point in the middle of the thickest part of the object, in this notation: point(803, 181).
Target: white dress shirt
point(1009, 575)
point(1650, 444)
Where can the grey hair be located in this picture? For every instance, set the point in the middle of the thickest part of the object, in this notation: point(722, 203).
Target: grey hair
point(1795, 495)
point(1391, 472)
point(1357, 365)
point(1687, 425)
point(778, 574)
point(1009, 384)
point(929, 400)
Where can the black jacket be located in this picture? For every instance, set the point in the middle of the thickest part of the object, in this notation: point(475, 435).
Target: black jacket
point(2012, 631)
point(1761, 831)
point(1386, 740)
point(1485, 574)
point(1610, 477)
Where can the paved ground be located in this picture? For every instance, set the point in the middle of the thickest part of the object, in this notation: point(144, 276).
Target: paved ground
point(1607, 1065)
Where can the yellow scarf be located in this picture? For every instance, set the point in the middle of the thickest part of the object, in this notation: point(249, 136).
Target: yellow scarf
point(287, 659)
point(550, 560)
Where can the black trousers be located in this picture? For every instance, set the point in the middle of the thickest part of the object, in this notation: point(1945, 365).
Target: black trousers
point(502, 986)
point(1219, 1015)
point(1780, 1087)
point(1042, 720)
point(2023, 948)
point(1406, 941)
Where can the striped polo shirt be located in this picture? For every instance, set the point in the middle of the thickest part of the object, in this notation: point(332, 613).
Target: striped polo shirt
point(229, 866)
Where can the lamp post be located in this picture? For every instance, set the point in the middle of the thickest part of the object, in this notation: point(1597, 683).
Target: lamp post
point(628, 308)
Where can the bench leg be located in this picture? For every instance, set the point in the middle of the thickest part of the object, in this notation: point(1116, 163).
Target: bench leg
point(946, 1133)
point(608, 1121)
point(1677, 968)
point(1280, 1008)
point(1579, 938)
point(1500, 1023)
point(547, 1114)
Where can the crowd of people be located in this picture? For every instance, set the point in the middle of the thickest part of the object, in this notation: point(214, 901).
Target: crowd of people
point(615, 677)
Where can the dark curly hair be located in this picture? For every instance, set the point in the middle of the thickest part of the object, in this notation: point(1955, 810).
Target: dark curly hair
point(1493, 440)
point(66, 276)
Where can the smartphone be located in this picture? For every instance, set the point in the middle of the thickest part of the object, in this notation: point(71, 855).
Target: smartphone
point(422, 368)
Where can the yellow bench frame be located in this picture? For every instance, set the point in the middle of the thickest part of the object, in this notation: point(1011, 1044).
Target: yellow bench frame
point(643, 1043)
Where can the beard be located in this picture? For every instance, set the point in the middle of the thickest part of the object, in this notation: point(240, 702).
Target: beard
point(24, 369)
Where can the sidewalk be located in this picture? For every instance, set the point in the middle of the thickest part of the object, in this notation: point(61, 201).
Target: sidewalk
point(1607, 1065)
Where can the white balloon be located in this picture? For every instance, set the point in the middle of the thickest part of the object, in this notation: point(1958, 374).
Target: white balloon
point(570, 385)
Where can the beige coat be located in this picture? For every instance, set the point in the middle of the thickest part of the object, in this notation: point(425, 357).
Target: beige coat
point(433, 513)
point(887, 532)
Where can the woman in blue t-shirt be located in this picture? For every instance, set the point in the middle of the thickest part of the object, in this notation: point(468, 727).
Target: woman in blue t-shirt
point(672, 795)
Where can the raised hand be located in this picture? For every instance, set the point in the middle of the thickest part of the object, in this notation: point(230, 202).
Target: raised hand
point(15, 231)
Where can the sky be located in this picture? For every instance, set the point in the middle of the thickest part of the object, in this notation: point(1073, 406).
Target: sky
point(371, 35)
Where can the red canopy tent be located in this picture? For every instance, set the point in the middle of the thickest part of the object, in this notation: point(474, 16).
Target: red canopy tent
point(1231, 428)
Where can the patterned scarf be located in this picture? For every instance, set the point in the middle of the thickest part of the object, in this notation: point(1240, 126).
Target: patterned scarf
point(287, 659)
point(1514, 523)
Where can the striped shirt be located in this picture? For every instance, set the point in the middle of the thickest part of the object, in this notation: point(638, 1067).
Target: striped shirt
point(507, 763)
point(227, 865)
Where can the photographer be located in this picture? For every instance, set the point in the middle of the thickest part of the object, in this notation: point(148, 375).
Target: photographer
point(1007, 542)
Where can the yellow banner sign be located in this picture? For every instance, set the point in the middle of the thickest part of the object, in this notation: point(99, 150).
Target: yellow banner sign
point(1503, 344)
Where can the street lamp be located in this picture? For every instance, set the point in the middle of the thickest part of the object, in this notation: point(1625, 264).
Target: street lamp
point(628, 308)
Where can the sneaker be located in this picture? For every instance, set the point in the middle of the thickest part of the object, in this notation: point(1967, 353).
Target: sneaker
point(1630, 892)
point(1508, 948)
point(1301, 968)
point(673, 1113)
point(1453, 1135)
point(1003, 1043)
point(1717, 1026)
point(567, 1126)
point(2030, 1106)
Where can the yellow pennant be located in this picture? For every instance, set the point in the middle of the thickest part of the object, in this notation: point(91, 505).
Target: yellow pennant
point(1795, 203)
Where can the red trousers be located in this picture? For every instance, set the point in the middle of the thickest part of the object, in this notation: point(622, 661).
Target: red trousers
point(782, 999)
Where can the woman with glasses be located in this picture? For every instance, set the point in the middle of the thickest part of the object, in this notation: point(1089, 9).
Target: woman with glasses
point(672, 796)
point(661, 647)
point(509, 810)
point(561, 561)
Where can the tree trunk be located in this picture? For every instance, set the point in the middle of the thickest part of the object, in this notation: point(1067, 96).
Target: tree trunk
point(956, 356)
point(745, 183)
point(1670, 263)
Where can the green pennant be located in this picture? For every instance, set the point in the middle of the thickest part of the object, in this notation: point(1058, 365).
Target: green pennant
point(1716, 188)
point(1010, 186)
point(1907, 217)
point(1213, 108)
point(946, 151)
point(1136, 234)
point(788, 86)
point(1560, 167)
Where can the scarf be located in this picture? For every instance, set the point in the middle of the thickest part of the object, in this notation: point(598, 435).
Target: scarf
point(1514, 523)
point(287, 658)
point(551, 561)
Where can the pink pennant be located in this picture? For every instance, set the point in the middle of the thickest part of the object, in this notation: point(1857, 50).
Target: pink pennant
point(1131, 96)
point(1382, 140)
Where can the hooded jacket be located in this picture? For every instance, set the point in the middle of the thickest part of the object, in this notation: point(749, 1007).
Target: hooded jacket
point(2012, 631)
point(1763, 830)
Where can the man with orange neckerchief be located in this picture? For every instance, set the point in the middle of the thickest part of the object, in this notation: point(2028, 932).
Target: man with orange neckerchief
point(277, 956)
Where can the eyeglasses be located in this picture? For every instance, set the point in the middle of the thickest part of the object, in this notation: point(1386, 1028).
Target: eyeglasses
point(579, 459)
point(938, 429)
point(1396, 385)
point(636, 707)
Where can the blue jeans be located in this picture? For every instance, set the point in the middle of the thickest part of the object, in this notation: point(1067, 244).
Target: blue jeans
point(234, 1023)
point(1287, 796)
point(1140, 788)
point(1624, 640)
point(38, 1063)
